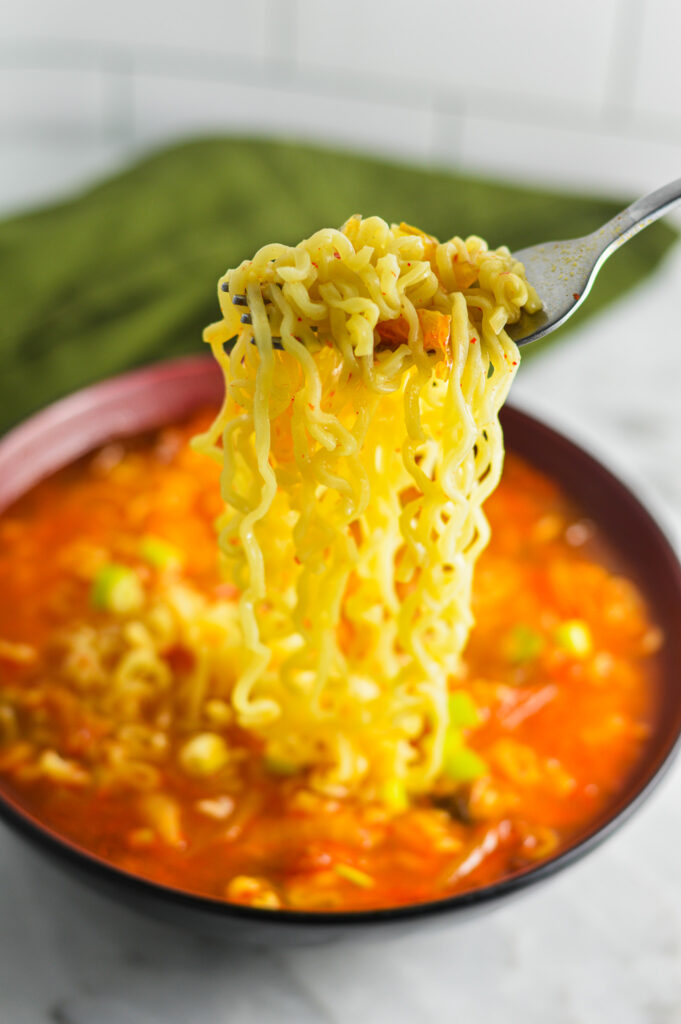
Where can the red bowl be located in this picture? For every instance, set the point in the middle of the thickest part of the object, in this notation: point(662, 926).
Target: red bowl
point(158, 395)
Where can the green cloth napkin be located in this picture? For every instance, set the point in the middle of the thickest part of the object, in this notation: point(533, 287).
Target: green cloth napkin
point(126, 273)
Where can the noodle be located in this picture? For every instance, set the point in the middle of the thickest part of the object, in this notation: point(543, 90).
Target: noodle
point(359, 438)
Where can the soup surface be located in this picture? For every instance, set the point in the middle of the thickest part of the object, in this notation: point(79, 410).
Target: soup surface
point(144, 767)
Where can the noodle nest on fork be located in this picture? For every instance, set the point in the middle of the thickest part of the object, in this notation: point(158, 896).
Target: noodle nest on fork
point(358, 439)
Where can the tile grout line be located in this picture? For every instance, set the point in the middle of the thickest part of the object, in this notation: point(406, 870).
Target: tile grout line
point(281, 27)
point(625, 51)
point(119, 118)
point(447, 113)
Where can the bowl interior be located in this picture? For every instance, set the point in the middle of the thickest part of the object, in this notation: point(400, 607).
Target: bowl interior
point(158, 395)
point(643, 553)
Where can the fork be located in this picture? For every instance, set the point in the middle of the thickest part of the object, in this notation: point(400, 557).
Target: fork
point(563, 272)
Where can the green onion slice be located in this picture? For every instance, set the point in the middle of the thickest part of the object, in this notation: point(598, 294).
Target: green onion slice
point(117, 588)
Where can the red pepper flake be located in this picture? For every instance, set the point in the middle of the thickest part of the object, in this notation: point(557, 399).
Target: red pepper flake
point(331, 394)
point(472, 341)
point(456, 256)
point(515, 362)
point(310, 405)
point(315, 265)
point(299, 319)
point(336, 256)
point(408, 264)
point(575, 295)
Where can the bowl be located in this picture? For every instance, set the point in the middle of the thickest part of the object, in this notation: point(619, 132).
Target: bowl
point(157, 395)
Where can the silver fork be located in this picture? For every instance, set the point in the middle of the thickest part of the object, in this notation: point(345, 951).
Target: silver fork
point(563, 272)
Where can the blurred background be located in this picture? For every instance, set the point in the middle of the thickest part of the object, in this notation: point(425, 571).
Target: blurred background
point(582, 96)
point(585, 95)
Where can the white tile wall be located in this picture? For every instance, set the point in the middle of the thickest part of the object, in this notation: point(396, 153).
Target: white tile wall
point(602, 159)
point(525, 50)
point(39, 102)
point(657, 75)
point(166, 107)
point(585, 94)
point(203, 25)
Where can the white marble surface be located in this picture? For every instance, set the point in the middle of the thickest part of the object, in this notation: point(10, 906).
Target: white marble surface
point(599, 944)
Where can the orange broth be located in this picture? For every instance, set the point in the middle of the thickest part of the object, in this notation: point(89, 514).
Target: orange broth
point(561, 727)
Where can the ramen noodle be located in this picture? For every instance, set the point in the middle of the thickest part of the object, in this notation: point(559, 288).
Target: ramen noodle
point(357, 451)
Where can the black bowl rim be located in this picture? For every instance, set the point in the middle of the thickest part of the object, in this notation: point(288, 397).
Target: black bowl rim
point(98, 868)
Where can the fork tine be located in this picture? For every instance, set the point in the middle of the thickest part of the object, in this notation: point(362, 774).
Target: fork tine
point(276, 343)
point(241, 300)
point(246, 319)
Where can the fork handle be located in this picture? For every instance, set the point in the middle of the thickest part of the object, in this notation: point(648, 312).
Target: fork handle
point(639, 215)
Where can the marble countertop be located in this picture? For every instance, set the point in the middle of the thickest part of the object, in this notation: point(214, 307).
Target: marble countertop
point(600, 943)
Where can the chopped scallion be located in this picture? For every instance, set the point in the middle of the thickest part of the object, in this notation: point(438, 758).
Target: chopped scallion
point(278, 766)
point(574, 636)
point(160, 553)
point(453, 740)
point(117, 588)
point(523, 644)
point(354, 875)
point(204, 754)
point(463, 765)
point(394, 795)
point(462, 710)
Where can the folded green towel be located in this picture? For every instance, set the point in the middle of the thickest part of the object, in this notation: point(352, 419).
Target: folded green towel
point(125, 274)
